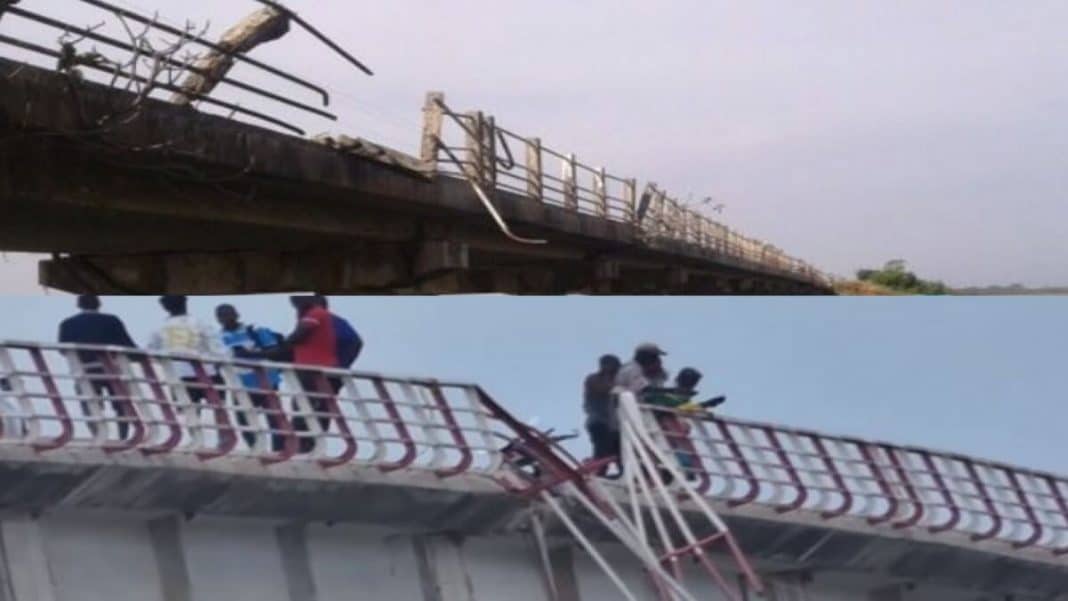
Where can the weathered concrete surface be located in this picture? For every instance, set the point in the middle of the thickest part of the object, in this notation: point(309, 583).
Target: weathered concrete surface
point(176, 186)
point(230, 508)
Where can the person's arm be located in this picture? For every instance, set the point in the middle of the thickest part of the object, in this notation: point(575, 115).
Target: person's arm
point(265, 338)
point(211, 342)
point(155, 342)
point(305, 327)
point(64, 333)
point(282, 352)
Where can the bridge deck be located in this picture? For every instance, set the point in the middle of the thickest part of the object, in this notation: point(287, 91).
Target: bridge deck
point(176, 199)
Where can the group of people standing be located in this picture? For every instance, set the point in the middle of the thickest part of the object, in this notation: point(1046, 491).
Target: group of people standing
point(645, 377)
point(319, 339)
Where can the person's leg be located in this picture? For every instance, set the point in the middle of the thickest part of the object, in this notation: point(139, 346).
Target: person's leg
point(325, 405)
point(242, 417)
point(92, 387)
point(605, 444)
point(300, 422)
point(196, 391)
point(597, 439)
point(274, 420)
point(123, 410)
point(615, 447)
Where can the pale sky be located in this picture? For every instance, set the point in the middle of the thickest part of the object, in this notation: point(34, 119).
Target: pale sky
point(846, 132)
point(982, 376)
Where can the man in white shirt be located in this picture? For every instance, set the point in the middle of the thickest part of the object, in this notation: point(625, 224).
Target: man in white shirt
point(644, 371)
point(182, 334)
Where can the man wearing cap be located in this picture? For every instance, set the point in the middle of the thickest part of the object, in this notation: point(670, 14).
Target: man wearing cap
point(644, 371)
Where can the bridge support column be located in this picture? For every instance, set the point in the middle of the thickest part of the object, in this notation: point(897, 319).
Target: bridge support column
point(606, 275)
point(678, 280)
point(166, 537)
point(296, 564)
point(562, 564)
point(436, 256)
point(441, 569)
point(25, 573)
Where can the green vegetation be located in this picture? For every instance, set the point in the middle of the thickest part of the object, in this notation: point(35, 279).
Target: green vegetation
point(855, 288)
point(896, 276)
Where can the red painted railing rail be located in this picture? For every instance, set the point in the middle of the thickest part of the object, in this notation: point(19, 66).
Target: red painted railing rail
point(889, 486)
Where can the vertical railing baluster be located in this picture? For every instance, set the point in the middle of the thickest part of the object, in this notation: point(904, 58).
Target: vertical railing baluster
point(433, 122)
point(630, 199)
point(570, 177)
point(600, 186)
point(66, 426)
point(475, 151)
point(489, 153)
point(535, 173)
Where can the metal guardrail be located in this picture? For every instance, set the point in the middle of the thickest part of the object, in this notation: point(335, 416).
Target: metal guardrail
point(63, 401)
point(472, 145)
point(55, 396)
point(891, 486)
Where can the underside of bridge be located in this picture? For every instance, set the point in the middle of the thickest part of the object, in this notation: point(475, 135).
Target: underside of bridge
point(172, 200)
point(184, 490)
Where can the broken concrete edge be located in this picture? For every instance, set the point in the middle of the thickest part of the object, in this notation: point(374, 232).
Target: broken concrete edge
point(376, 152)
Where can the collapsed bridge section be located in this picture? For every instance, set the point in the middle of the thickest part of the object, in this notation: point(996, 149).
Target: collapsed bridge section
point(185, 167)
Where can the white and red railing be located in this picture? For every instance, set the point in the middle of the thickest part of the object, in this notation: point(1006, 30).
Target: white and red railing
point(48, 402)
point(390, 423)
point(887, 485)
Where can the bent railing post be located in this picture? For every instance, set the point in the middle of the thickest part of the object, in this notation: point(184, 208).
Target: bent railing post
point(433, 122)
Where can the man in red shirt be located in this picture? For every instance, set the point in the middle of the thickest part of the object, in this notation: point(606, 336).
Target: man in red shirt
point(315, 344)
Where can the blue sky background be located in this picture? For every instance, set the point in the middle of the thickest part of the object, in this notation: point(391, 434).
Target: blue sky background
point(982, 376)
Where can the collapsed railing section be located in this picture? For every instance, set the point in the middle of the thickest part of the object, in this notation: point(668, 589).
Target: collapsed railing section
point(889, 486)
point(146, 56)
point(647, 520)
point(474, 146)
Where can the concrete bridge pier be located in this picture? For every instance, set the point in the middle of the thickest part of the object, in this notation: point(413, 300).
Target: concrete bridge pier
point(100, 557)
point(93, 555)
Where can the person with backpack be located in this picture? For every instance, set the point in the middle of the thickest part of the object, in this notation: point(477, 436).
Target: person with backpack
point(242, 339)
point(348, 342)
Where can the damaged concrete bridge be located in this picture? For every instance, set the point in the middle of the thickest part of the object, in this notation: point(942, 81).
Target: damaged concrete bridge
point(136, 182)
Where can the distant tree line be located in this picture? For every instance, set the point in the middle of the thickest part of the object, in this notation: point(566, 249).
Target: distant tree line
point(896, 276)
point(1013, 290)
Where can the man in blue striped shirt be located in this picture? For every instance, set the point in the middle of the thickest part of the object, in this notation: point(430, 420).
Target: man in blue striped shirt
point(235, 335)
